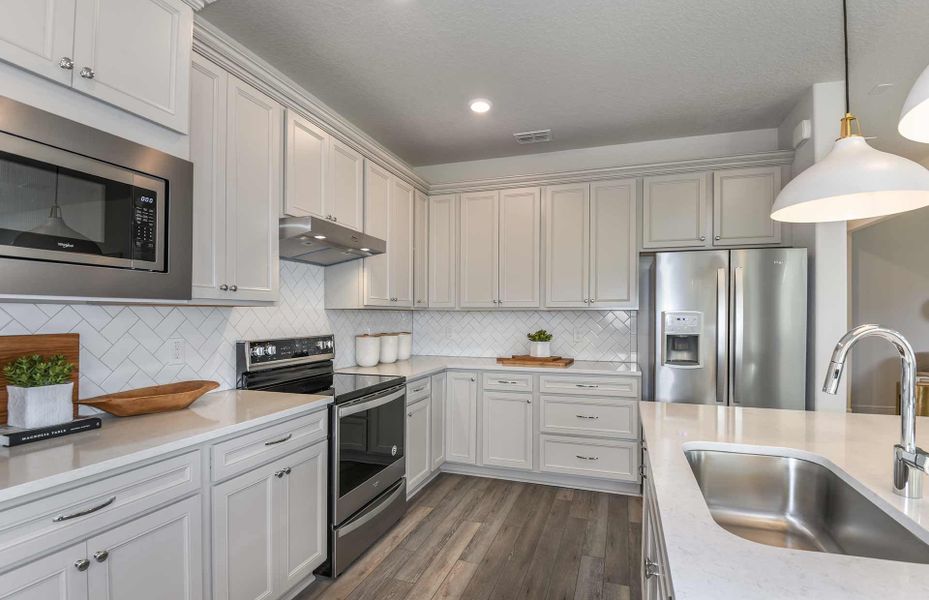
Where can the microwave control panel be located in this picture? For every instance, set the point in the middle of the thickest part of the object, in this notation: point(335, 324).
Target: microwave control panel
point(144, 224)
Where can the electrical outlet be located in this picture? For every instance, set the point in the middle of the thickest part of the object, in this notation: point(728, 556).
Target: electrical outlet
point(578, 336)
point(449, 333)
point(176, 351)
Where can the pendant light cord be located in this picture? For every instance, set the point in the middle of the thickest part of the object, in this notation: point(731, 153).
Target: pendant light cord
point(845, 40)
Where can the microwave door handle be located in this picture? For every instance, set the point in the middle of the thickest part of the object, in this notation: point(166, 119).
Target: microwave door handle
point(738, 317)
point(722, 337)
point(363, 405)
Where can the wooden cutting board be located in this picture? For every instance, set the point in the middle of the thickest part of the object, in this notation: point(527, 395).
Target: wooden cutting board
point(524, 360)
point(14, 346)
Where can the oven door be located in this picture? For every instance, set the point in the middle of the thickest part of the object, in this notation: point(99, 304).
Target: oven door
point(63, 207)
point(368, 436)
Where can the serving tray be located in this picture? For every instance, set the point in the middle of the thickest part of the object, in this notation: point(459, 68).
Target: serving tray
point(524, 360)
point(157, 398)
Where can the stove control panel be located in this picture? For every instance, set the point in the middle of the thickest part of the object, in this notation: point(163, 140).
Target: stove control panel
point(268, 353)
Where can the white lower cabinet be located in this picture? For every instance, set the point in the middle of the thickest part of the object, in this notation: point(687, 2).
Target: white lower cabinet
point(461, 418)
point(507, 430)
point(437, 418)
point(655, 576)
point(55, 577)
point(418, 427)
point(269, 526)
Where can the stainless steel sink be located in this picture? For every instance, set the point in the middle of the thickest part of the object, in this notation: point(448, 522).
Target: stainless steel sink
point(794, 503)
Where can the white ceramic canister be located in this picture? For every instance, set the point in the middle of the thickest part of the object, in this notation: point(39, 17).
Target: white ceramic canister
point(389, 346)
point(367, 350)
point(404, 345)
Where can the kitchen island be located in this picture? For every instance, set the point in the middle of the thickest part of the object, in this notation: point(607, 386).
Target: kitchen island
point(705, 561)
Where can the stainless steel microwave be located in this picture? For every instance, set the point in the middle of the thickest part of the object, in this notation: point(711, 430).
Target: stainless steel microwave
point(87, 214)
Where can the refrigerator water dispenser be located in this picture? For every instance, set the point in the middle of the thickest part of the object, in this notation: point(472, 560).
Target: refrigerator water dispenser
point(681, 339)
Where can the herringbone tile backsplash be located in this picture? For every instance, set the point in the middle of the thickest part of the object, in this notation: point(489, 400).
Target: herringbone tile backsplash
point(124, 347)
point(583, 335)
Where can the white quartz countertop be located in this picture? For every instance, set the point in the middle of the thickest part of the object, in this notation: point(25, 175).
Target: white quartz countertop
point(708, 562)
point(420, 366)
point(125, 440)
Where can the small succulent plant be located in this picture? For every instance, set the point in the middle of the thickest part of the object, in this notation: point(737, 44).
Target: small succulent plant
point(540, 336)
point(36, 371)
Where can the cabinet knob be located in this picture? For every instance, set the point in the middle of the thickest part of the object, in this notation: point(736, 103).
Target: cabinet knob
point(702, 238)
point(66, 63)
point(101, 555)
point(409, 414)
point(336, 219)
point(472, 379)
point(234, 288)
point(87, 73)
point(651, 568)
point(224, 287)
point(716, 238)
point(82, 564)
point(529, 401)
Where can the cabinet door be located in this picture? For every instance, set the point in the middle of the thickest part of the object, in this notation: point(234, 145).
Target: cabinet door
point(567, 245)
point(742, 200)
point(420, 250)
point(306, 162)
point(304, 509)
point(37, 34)
point(243, 541)
point(153, 557)
point(461, 418)
point(520, 230)
point(418, 465)
point(135, 54)
point(674, 211)
point(437, 418)
point(208, 82)
point(54, 577)
point(253, 191)
point(614, 255)
point(443, 251)
point(479, 234)
point(400, 243)
point(507, 428)
point(377, 223)
point(346, 185)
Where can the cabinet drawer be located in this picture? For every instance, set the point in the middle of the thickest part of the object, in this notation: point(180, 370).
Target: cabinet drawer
point(52, 521)
point(626, 387)
point(252, 449)
point(507, 381)
point(593, 458)
point(418, 390)
point(590, 416)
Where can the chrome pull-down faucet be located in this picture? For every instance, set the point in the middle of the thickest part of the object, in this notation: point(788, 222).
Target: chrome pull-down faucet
point(910, 462)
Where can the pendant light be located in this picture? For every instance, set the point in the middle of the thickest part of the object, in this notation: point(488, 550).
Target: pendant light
point(854, 181)
point(914, 118)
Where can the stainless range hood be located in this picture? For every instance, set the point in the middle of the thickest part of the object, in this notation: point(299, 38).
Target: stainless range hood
point(323, 242)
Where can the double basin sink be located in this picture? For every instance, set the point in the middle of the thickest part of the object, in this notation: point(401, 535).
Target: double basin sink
point(794, 503)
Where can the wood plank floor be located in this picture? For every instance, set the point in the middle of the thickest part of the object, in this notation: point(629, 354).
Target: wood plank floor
point(477, 539)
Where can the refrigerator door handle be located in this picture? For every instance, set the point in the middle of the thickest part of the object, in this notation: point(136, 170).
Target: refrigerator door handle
point(738, 321)
point(722, 335)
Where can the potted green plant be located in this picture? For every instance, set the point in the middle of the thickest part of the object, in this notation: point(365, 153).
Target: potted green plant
point(39, 391)
point(540, 344)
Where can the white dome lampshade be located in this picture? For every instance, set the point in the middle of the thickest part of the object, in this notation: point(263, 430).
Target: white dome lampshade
point(914, 118)
point(854, 181)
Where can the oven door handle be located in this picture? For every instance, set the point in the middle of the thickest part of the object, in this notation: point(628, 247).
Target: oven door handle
point(361, 520)
point(363, 405)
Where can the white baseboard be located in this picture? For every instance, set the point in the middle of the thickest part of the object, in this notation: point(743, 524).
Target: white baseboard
point(566, 481)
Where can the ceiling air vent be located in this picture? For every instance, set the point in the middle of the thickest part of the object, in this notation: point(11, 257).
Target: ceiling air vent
point(533, 137)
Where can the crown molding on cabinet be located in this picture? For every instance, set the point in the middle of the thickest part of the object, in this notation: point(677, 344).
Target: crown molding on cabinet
point(237, 59)
point(198, 4)
point(771, 158)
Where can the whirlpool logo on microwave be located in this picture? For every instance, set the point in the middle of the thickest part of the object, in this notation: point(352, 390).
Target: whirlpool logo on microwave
point(65, 245)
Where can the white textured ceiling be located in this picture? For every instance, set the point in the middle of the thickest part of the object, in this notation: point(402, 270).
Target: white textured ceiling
point(596, 72)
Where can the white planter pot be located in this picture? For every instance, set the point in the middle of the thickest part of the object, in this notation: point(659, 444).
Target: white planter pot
point(367, 350)
point(39, 406)
point(540, 349)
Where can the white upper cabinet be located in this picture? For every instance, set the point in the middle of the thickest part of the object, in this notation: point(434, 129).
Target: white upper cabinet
point(742, 200)
point(675, 213)
point(443, 251)
point(38, 35)
point(567, 245)
point(400, 243)
point(134, 54)
point(420, 250)
point(306, 164)
point(236, 150)
point(520, 248)
point(591, 258)
point(346, 185)
point(377, 223)
point(478, 239)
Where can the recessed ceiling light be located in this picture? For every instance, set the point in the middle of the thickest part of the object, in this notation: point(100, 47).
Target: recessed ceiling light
point(481, 105)
point(320, 237)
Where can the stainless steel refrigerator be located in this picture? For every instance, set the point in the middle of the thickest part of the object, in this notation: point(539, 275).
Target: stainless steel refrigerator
point(731, 327)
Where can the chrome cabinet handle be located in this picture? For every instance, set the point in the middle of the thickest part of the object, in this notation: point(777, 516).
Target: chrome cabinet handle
point(716, 237)
point(280, 440)
point(587, 457)
point(234, 288)
point(507, 382)
point(82, 513)
point(586, 386)
point(82, 564)
point(66, 63)
point(101, 555)
point(224, 287)
point(419, 389)
point(87, 73)
point(702, 238)
point(287, 470)
point(587, 417)
point(279, 474)
point(651, 568)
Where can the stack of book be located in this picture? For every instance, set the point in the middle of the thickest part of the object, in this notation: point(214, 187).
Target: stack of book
point(14, 436)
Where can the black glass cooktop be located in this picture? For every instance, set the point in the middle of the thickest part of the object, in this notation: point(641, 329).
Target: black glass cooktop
point(349, 386)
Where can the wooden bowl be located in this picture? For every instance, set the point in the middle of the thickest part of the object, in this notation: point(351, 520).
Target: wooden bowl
point(157, 398)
